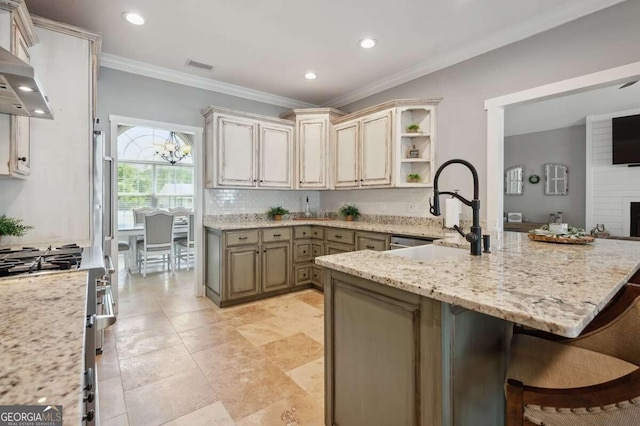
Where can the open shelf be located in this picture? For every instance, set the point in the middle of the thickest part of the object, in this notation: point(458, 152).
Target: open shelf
point(415, 160)
point(415, 135)
point(423, 168)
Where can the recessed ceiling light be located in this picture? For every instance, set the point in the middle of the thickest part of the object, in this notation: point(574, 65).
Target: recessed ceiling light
point(38, 111)
point(367, 43)
point(25, 88)
point(133, 18)
point(311, 75)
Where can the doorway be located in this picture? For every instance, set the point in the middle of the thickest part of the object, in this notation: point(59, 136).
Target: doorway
point(151, 180)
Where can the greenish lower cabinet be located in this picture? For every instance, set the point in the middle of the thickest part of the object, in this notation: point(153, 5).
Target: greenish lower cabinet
point(396, 358)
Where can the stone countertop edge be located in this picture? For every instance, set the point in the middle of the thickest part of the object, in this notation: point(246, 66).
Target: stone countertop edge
point(42, 319)
point(552, 287)
point(408, 230)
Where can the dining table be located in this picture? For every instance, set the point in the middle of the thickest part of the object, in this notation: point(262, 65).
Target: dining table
point(134, 231)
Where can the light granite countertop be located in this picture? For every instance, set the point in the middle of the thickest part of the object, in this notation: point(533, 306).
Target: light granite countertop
point(42, 320)
point(404, 229)
point(552, 287)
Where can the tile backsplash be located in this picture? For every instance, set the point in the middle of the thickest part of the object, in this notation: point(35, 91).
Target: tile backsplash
point(393, 202)
point(249, 201)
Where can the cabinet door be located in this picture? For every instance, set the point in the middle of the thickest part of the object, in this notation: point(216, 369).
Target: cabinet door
point(275, 266)
point(302, 251)
point(375, 150)
point(346, 138)
point(20, 126)
point(275, 156)
point(209, 149)
point(337, 248)
point(312, 153)
point(369, 241)
point(236, 151)
point(242, 272)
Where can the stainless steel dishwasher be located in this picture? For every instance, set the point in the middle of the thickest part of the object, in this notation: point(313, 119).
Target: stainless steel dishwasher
point(402, 241)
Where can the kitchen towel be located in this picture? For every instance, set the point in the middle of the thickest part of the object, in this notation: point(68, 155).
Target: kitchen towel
point(452, 212)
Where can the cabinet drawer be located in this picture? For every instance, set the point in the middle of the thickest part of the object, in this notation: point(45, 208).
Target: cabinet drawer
point(317, 233)
point(337, 248)
point(302, 251)
point(303, 274)
point(238, 238)
point(317, 249)
point(340, 236)
point(316, 275)
point(377, 242)
point(276, 234)
point(300, 232)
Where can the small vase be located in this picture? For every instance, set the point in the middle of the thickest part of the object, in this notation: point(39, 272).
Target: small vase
point(348, 218)
point(414, 180)
point(277, 217)
point(413, 130)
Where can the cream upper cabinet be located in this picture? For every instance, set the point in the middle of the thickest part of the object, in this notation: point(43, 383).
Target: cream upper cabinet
point(236, 151)
point(346, 142)
point(244, 150)
point(274, 149)
point(20, 126)
point(362, 151)
point(375, 150)
point(312, 152)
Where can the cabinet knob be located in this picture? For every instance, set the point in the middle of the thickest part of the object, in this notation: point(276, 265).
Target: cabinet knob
point(258, 251)
point(361, 180)
point(264, 251)
point(22, 159)
point(261, 180)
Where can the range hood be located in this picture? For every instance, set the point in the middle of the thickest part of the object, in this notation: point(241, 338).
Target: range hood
point(20, 92)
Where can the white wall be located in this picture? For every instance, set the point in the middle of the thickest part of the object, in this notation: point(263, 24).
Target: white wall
point(596, 42)
point(609, 187)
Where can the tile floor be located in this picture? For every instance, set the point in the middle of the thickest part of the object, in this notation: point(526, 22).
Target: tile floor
point(176, 360)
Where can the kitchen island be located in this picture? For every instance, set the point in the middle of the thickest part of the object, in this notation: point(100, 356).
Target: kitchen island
point(424, 340)
point(42, 326)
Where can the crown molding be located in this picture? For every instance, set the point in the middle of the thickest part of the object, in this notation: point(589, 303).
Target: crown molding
point(167, 74)
point(540, 23)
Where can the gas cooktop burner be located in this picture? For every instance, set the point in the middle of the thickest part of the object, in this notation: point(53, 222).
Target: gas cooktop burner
point(29, 260)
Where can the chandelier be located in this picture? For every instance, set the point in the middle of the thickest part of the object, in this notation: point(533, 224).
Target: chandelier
point(172, 150)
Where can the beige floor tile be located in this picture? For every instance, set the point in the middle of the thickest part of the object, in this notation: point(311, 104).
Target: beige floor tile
point(138, 323)
point(190, 320)
point(292, 308)
point(211, 415)
point(108, 366)
point(152, 366)
point(177, 304)
point(297, 410)
point(111, 398)
point(133, 308)
point(251, 387)
point(120, 420)
point(310, 376)
point(243, 315)
point(168, 399)
point(266, 331)
point(314, 298)
point(205, 337)
point(292, 351)
point(137, 343)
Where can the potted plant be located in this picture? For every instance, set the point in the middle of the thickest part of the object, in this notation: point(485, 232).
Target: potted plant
point(349, 211)
point(414, 128)
point(413, 178)
point(11, 226)
point(276, 213)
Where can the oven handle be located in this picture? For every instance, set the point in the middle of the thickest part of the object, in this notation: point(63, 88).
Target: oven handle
point(109, 265)
point(108, 318)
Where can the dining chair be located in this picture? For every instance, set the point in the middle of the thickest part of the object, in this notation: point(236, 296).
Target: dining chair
point(138, 214)
point(180, 211)
point(158, 239)
point(187, 243)
point(593, 379)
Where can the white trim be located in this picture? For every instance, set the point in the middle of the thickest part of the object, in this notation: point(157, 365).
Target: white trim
point(161, 73)
point(589, 222)
point(198, 196)
point(542, 22)
point(626, 214)
point(495, 123)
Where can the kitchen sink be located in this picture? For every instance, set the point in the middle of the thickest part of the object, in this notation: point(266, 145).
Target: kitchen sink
point(428, 252)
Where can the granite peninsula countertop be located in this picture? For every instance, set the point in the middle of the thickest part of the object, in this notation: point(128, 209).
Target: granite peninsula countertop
point(42, 329)
point(552, 287)
point(412, 230)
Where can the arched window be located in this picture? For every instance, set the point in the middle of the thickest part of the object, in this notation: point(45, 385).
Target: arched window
point(147, 180)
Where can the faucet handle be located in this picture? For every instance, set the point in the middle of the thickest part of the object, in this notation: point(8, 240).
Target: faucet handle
point(460, 231)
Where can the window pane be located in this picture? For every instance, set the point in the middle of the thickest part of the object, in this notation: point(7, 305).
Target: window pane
point(141, 143)
point(167, 202)
point(135, 178)
point(126, 204)
point(173, 180)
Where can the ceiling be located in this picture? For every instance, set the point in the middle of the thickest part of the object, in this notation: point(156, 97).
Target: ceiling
point(267, 46)
point(570, 110)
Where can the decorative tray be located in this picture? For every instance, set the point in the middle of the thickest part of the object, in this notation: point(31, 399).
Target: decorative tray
point(562, 239)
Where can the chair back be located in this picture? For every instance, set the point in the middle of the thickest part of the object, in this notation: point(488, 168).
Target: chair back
point(190, 233)
point(138, 214)
point(158, 229)
point(180, 211)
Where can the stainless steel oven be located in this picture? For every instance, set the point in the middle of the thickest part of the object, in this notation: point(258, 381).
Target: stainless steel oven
point(402, 241)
